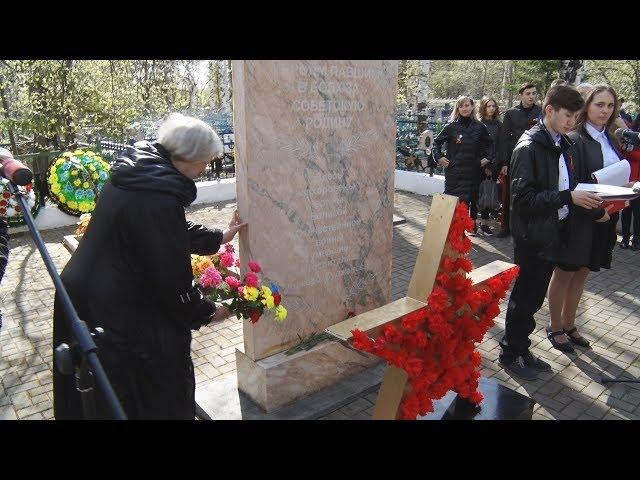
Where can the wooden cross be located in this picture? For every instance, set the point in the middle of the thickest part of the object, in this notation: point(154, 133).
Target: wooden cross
point(434, 246)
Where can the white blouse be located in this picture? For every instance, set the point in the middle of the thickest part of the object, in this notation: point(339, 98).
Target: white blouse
point(609, 155)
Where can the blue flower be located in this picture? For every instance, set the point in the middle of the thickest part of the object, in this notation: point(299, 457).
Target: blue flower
point(274, 288)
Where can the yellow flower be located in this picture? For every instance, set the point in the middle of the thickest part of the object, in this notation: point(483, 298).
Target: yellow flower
point(281, 313)
point(74, 173)
point(62, 198)
point(269, 302)
point(90, 153)
point(85, 185)
point(55, 188)
point(95, 176)
point(67, 154)
point(251, 293)
point(77, 183)
point(72, 205)
point(266, 291)
point(59, 162)
point(92, 168)
point(78, 152)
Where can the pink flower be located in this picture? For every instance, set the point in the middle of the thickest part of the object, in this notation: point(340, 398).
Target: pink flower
point(241, 291)
point(233, 282)
point(210, 278)
point(227, 259)
point(237, 263)
point(255, 267)
point(228, 248)
point(251, 279)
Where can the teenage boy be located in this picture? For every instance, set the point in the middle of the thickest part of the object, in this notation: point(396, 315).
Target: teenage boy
point(516, 120)
point(541, 171)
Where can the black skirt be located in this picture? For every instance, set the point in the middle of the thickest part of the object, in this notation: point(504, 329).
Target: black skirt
point(603, 242)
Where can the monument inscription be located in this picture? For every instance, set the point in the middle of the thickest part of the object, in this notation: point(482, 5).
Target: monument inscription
point(315, 170)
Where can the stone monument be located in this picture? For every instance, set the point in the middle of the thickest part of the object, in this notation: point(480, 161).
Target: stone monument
point(315, 160)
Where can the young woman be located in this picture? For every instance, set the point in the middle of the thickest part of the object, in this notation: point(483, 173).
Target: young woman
point(590, 236)
point(488, 114)
point(468, 143)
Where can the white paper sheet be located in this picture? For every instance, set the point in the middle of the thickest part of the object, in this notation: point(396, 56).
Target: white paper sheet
point(615, 174)
point(609, 192)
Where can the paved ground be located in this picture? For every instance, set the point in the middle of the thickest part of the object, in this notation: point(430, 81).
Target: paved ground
point(608, 316)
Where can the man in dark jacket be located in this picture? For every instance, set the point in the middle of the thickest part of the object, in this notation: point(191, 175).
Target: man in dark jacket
point(542, 166)
point(516, 120)
point(131, 275)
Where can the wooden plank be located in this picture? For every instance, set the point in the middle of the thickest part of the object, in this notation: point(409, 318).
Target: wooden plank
point(392, 389)
point(433, 242)
point(488, 271)
point(369, 322)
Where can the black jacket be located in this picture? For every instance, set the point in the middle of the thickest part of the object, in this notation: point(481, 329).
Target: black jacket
point(127, 276)
point(514, 123)
point(494, 127)
point(466, 146)
point(583, 228)
point(535, 198)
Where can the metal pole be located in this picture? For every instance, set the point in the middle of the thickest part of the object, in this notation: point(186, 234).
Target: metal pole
point(81, 333)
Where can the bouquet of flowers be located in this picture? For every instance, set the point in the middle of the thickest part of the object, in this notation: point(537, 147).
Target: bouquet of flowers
point(249, 298)
point(85, 218)
point(10, 209)
point(75, 180)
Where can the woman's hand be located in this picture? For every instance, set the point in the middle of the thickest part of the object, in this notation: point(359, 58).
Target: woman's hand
point(503, 170)
point(235, 225)
point(443, 162)
point(484, 161)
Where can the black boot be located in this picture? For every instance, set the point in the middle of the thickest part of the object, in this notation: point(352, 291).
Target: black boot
point(624, 244)
point(635, 244)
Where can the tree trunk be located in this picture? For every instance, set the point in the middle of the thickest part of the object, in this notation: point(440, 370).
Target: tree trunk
point(509, 71)
point(569, 69)
point(5, 106)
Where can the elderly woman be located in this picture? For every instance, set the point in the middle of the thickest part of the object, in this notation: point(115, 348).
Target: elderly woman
point(131, 275)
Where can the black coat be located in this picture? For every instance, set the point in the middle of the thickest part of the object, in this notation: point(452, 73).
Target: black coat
point(466, 146)
point(535, 198)
point(494, 127)
point(514, 123)
point(586, 235)
point(127, 276)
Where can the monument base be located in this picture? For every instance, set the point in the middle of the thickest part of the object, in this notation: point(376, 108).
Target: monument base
point(500, 403)
point(281, 379)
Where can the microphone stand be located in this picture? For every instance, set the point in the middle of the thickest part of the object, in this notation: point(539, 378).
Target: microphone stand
point(81, 358)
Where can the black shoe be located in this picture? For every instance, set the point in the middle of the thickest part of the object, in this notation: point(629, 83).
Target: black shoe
point(563, 347)
point(486, 230)
point(624, 244)
point(519, 368)
point(536, 363)
point(581, 342)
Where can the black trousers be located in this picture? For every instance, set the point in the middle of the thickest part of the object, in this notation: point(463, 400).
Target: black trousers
point(632, 210)
point(526, 299)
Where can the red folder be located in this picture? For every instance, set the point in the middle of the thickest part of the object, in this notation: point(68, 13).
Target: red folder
point(616, 205)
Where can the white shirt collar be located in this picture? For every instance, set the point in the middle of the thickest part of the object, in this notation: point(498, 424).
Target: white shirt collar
point(594, 132)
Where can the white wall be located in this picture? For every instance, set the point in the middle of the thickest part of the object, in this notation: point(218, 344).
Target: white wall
point(225, 190)
point(420, 183)
point(208, 192)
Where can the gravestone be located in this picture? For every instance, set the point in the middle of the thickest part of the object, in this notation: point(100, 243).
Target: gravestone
point(315, 153)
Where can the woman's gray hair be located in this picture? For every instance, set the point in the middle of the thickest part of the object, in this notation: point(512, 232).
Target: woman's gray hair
point(189, 139)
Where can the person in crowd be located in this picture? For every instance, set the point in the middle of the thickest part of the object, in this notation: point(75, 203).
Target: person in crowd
point(628, 119)
point(488, 114)
point(631, 214)
point(590, 235)
point(541, 196)
point(516, 120)
point(131, 275)
point(468, 143)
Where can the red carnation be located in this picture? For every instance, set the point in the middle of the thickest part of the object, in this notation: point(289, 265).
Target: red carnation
point(255, 316)
point(276, 299)
point(255, 267)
